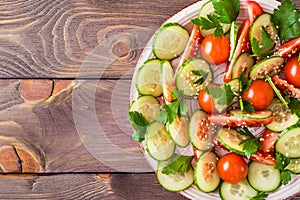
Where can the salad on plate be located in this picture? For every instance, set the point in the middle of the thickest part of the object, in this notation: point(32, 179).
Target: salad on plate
point(216, 106)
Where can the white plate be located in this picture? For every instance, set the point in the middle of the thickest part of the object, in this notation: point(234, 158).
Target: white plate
point(183, 18)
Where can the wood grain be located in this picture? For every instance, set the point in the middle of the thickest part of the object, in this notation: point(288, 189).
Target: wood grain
point(84, 186)
point(82, 127)
point(75, 38)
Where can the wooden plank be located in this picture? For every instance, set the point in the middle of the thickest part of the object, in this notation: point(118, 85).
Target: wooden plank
point(84, 186)
point(72, 38)
point(79, 126)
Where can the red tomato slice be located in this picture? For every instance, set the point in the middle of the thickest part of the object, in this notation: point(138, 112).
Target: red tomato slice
point(268, 140)
point(193, 46)
point(285, 86)
point(288, 49)
point(254, 10)
point(235, 122)
point(243, 45)
point(265, 158)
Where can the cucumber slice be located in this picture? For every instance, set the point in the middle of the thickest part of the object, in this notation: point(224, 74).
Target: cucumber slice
point(233, 37)
point(262, 177)
point(174, 182)
point(270, 66)
point(294, 165)
point(264, 114)
point(170, 41)
point(243, 64)
point(256, 30)
point(239, 191)
point(178, 131)
point(158, 142)
point(283, 118)
point(148, 106)
point(206, 175)
point(185, 78)
point(231, 139)
point(148, 78)
point(288, 142)
point(206, 9)
point(201, 136)
point(167, 80)
point(235, 85)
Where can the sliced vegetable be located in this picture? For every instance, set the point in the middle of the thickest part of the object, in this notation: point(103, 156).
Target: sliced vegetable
point(206, 176)
point(159, 145)
point(264, 114)
point(263, 177)
point(208, 9)
point(283, 118)
point(231, 139)
point(268, 140)
point(178, 130)
point(186, 78)
point(149, 79)
point(284, 86)
point(263, 157)
point(254, 10)
point(260, 26)
point(174, 182)
point(243, 64)
point(288, 142)
point(170, 41)
point(233, 38)
point(294, 165)
point(239, 191)
point(235, 122)
point(286, 50)
point(192, 48)
point(200, 134)
point(148, 106)
point(167, 80)
point(270, 66)
point(242, 46)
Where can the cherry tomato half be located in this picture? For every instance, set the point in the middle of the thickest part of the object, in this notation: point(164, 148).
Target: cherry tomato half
point(205, 101)
point(215, 50)
point(232, 168)
point(254, 10)
point(292, 71)
point(260, 94)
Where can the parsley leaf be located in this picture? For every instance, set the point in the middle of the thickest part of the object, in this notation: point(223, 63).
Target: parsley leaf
point(260, 196)
point(170, 111)
point(139, 123)
point(179, 164)
point(265, 45)
point(294, 106)
point(248, 107)
point(251, 144)
point(223, 93)
point(286, 17)
point(227, 10)
point(202, 75)
point(281, 163)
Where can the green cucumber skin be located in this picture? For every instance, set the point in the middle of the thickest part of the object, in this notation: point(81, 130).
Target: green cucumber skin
point(297, 126)
point(248, 115)
point(195, 173)
point(260, 66)
point(228, 146)
point(187, 63)
point(137, 77)
point(162, 28)
point(234, 74)
point(172, 136)
point(257, 189)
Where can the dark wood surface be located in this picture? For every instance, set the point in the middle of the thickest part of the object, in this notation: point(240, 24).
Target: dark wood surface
point(65, 73)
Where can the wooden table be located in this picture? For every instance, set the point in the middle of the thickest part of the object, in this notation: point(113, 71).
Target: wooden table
point(65, 73)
